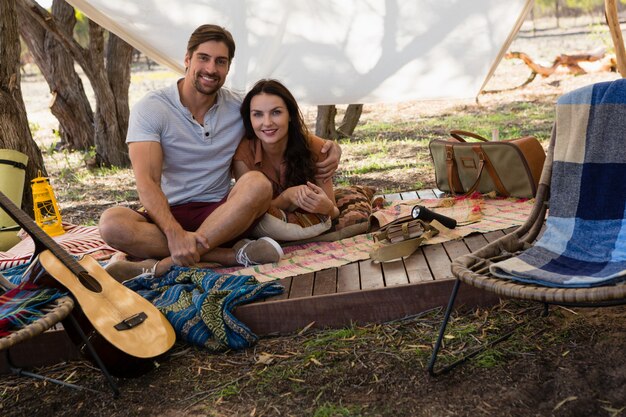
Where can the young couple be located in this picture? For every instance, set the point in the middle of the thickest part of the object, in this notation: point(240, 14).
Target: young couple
point(185, 142)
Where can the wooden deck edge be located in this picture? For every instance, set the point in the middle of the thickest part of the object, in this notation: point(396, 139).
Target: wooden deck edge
point(286, 316)
point(49, 348)
point(359, 307)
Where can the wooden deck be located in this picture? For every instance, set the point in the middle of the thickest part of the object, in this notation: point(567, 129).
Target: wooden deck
point(367, 292)
point(360, 292)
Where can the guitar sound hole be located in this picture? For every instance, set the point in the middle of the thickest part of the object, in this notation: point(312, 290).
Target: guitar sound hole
point(89, 282)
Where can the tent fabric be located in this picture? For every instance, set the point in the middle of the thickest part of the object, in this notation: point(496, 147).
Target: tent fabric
point(332, 51)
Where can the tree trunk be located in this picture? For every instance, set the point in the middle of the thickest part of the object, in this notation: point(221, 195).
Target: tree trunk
point(111, 91)
point(119, 56)
point(14, 131)
point(110, 137)
point(69, 102)
point(350, 119)
point(325, 122)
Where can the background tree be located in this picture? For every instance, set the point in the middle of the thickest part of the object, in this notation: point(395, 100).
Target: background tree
point(14, 131)
point(69, 101)
point(325, 121)
point(108, 72)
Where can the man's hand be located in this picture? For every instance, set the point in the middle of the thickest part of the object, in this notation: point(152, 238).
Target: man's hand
point(326, 167)
point(184, 247)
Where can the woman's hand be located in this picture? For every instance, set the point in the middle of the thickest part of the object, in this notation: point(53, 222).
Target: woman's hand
point(313, 199)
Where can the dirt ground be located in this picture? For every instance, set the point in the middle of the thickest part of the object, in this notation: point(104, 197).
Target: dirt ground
point(570, 363)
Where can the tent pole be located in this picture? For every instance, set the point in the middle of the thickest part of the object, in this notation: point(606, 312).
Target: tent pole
point(616, 34)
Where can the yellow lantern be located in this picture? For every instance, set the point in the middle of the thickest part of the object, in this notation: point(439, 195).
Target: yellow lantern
point(47, 214)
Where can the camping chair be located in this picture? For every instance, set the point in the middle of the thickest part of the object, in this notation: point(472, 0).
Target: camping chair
point(53, 313)
point(582, 184)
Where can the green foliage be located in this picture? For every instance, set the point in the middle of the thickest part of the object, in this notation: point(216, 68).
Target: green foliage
point(584, 5)
point(81, 29)
point(34, 127)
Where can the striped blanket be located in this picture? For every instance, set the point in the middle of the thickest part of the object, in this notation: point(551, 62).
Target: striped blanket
point(22, 305)
point(77, 240)
point(584, 244)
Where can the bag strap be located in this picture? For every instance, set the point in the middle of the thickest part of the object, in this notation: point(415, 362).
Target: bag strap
point(13, 163)
point(454, 181)
point(458, 135)
point(485, 162)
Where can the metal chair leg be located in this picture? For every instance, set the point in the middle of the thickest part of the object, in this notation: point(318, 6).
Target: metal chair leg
point(442, 330)
point(20, 372)
point(95, 356)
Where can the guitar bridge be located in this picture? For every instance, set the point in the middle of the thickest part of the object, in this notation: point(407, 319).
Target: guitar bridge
point(132, 321)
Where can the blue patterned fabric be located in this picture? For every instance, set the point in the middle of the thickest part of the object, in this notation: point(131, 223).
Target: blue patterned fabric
point(199, 304)
point(584, 244)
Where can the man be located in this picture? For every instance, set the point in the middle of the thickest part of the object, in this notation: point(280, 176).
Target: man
point(181, 141)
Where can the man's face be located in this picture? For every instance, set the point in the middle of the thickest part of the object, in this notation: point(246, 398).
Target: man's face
point(208, 66)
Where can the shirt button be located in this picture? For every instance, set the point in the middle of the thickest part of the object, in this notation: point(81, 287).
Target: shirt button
point(206, 134)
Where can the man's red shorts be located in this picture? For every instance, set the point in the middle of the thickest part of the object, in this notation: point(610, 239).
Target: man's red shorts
point(189, 215)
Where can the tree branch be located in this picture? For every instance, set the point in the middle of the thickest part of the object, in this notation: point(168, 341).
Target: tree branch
point(47, 21)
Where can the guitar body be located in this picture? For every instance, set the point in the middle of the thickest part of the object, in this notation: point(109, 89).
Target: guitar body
point(112, 305)
point(125, 330)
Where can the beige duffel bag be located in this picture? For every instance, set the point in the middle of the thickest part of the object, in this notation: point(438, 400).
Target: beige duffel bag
point(511, 168)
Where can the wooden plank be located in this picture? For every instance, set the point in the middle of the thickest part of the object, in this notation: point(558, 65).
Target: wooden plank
point(409, 195)
point(325, 282)
point(371, 275)
point(439, 193)
point(417, 269)
point(426, 194)
point(367, 306)
point(48, 348)
point(348, 278)
point(286, 283)
point(475, 241)
point(394, 273)
point(393, 197)
point(302, 286)
point(455, 248)
point(495, 235)
point(438, 261)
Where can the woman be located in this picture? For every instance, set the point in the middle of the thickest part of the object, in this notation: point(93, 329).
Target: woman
point(278, 143)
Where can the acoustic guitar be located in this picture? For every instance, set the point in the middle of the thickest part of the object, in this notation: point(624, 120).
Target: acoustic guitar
point(126, 330)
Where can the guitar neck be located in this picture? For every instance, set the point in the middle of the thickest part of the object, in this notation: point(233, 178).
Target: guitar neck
point(40, 238)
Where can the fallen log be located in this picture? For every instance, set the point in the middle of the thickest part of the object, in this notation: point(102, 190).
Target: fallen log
point(595, 61)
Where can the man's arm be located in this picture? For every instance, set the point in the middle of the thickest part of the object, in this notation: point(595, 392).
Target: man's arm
point(147, 161)
point(326, 167)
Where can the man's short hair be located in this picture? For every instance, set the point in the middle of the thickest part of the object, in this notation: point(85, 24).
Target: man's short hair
point(206, 33)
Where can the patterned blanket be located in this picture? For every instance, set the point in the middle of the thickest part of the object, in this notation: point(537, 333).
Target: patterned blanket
point(479, 214)
point(199, 304)
point(584, 244)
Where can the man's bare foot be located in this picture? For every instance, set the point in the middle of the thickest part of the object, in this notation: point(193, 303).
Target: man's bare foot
point(124, 270)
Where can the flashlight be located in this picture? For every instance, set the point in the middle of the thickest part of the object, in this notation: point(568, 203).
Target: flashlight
point(422, 213)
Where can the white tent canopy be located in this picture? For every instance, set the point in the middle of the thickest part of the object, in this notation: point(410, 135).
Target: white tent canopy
point(332, 51)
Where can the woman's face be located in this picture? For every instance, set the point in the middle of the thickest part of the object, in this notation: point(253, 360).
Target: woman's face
point(269, 118)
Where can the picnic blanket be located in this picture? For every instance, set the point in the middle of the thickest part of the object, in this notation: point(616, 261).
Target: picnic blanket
point(481, 213)
point(77, 240)
point(199, 304)
point(584, 244)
